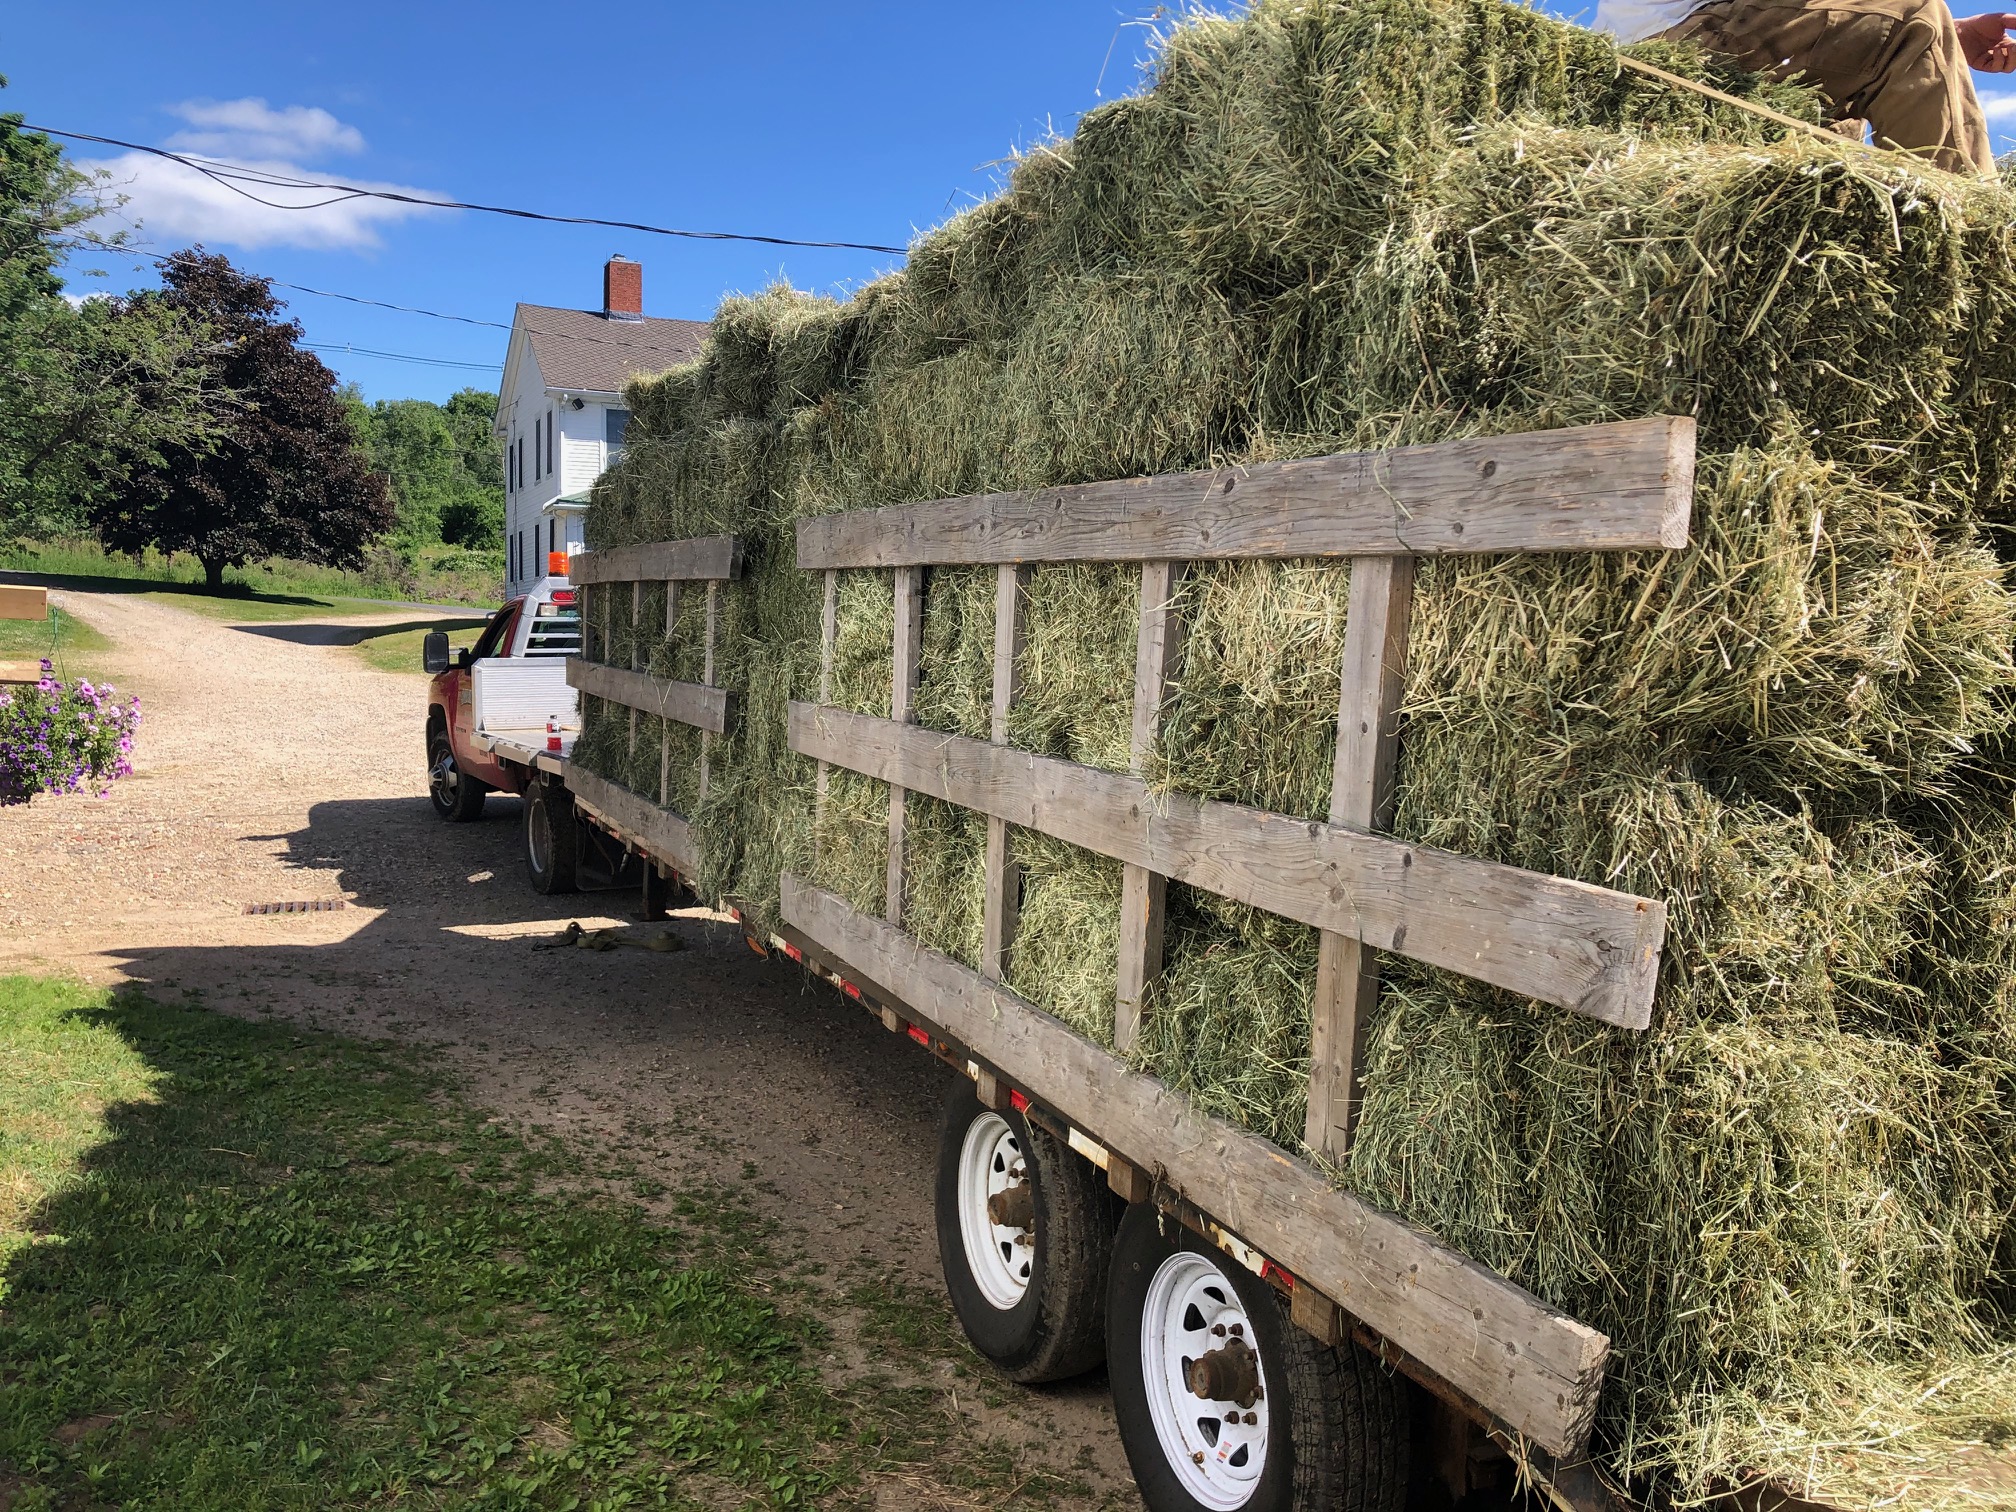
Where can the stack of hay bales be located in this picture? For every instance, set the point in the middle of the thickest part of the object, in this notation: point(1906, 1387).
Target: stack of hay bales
point(1327, 227)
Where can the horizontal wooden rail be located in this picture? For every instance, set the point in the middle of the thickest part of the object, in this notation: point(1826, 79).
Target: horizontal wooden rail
point(661, 833)
point(702, 559)
point(693, 704)
point(1565, 942)
point(1622, 486)
point(1537, 1369)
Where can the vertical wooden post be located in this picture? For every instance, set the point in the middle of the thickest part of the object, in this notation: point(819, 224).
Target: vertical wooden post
point(636, 644)
point(829, 635)
point(1361, 795)
point(909, 597)
point(583, 599)
point(707, 673)
point(664, 724)
point(1143, 893)
point(1004, 876)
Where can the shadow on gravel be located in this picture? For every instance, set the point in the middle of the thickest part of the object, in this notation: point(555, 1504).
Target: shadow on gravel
point(79, 583)
point(310, 633)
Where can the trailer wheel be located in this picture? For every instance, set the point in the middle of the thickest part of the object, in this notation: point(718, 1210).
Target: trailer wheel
point(1224, 1405)
point(552, 838)
point(456, 795)
point(1024, 1230)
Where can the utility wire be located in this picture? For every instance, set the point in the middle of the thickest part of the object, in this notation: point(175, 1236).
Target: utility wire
point(356, 351)
point(233, 175)
point(117, 250)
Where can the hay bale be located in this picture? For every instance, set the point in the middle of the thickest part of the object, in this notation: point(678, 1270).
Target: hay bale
point(1329, 226)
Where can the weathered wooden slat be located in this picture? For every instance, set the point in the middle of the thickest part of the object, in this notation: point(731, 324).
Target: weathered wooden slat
point(1002, 902)
point(636, 649)
point(663, 834)
point(829, 635)
point(909, 648)
point(664, 732)
point(1583, 947)
point(1144, 895)
point(707, 678)
point(703, 558)
point(1361, 795)
point(688, 703)
point(1626, 485)
point(1537, 1369)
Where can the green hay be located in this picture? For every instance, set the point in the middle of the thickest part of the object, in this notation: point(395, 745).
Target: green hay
point(1332, 226)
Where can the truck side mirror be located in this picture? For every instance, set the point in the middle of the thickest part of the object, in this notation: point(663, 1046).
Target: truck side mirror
point(434, 652)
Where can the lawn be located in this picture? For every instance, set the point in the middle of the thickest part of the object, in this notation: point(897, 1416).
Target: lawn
point(247, 1267)
point(397, 649)
point(444, 575)
point(62, 635)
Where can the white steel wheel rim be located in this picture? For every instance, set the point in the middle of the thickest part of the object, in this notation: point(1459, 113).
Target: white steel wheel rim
point(1217, 1455)
point(991, 1160)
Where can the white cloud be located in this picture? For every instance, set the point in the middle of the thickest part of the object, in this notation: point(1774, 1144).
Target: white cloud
point(175, 203)
point(252, 128)
point(1999, 107)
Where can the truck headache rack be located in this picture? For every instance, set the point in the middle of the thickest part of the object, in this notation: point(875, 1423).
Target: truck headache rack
point(712, 560)
point(1623, 486)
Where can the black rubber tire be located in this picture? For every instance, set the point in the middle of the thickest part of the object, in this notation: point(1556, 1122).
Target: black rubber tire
point(552, 838)
point(1339, 1433)
point(1058, 1329)
point(460, 799)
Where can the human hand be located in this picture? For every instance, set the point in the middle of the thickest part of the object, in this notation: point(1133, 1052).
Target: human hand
point(1985, 41)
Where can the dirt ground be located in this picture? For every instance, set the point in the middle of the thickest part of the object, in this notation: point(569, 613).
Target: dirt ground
point(275, 766)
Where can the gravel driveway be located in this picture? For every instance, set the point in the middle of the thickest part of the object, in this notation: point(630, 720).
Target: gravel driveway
point(279, 767)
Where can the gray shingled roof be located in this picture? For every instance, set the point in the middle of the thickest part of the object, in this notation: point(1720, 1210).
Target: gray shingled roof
point(585, 349)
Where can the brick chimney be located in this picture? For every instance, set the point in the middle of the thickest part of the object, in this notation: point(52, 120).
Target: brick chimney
point(623, 289)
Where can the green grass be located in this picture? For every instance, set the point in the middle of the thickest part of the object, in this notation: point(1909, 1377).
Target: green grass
point(252, 1268)
point(398, 650)
point(261, 607)
point(21, 640)
point(442, 574)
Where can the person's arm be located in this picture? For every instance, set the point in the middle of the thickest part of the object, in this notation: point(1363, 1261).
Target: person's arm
point(1985, 41)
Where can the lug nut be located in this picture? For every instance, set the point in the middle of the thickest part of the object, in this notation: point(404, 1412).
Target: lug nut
point(1252, 1419)
point(1238, 1330)
point(1218, 1329)
point(1197, 1456)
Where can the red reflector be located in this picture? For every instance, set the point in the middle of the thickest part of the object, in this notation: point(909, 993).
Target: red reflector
point(794, 952)
point(564, 596)
point(850, 989)
point(1017, 1101)
point(920, 1036)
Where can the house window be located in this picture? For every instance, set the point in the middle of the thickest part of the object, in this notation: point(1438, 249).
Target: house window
point(511, 559)
point(614, 423)
point(549, 440)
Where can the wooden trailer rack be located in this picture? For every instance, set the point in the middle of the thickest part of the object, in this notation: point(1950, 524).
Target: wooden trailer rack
point(1528, 1372)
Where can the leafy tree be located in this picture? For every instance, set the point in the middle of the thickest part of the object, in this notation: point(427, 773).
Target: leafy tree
point(476, 516)
point(287, 478)
point(90, 393)
point(444, 468)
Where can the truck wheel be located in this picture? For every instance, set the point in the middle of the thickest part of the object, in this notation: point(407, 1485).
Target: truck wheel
point(1224, 1405)
point(1024, 1227)
point(456, 795)
point(552, 838)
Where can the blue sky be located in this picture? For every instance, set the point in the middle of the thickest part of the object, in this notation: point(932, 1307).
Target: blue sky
point(822, 121)
point(855, 123)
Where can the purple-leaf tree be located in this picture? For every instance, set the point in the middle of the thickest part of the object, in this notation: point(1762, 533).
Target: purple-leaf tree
point(58, 738)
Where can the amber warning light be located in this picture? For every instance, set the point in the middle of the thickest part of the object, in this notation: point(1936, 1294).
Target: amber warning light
point(556, 564)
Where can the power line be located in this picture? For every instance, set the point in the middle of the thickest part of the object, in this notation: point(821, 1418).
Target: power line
point(233, 175)
point(356, 351)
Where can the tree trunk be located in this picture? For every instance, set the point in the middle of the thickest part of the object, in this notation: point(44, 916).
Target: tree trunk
point(213, 573)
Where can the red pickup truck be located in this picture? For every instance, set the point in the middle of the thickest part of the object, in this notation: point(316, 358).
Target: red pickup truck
point(501, 718)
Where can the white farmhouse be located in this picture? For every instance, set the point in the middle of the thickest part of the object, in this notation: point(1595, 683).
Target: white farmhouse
point(560, 413)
